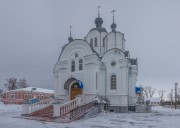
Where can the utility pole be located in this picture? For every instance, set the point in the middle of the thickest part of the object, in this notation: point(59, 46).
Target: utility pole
point(176, 95)
point(171, 96)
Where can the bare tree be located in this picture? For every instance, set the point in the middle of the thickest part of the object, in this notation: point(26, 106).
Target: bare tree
point(22, 83)
point(170, 96)
point(161, 95)
point(146, 94)
point(11, 84)
point(148, 91)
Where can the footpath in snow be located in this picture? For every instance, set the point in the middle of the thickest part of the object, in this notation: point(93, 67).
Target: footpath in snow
point(159, 118)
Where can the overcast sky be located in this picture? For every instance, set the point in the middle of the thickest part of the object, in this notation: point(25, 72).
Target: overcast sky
point(32, 33)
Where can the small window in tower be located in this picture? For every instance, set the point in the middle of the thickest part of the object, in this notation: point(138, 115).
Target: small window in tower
point(91, 42)
point(73, 66)
point(113, 82)
point(95, 42)
point(80, 64)
point(113, 63)
point(76, 55)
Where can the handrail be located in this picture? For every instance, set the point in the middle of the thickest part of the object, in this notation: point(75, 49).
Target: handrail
point(39, 105)
point(68, 106)
point(77, 112)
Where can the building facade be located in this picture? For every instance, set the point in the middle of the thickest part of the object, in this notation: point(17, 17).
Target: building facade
point(97, 65)
point(20, 96)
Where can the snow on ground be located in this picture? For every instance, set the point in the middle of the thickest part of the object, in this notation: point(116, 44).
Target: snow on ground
point(9, 108)
point(159, 118)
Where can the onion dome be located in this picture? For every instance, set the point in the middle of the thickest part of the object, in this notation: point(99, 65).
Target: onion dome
point(70, 39)
point(113, 27)
point(98, 22)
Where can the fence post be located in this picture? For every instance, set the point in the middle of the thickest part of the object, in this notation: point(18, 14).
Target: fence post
point(26, 109)
point(79, 100)
point(56, 110)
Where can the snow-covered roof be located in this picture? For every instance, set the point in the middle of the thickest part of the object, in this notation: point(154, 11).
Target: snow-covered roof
point(34, 89)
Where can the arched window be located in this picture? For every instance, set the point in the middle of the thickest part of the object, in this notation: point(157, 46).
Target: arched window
point(113, 82)
point(91, 42)
point(104, 42)
point(73, 66)
point(80, 64)
point(95, 42)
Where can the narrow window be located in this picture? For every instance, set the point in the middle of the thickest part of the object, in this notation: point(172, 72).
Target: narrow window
point(113, 82)
point(91, 42)
point(95, 42)
point(104, 42)
point(73, 66)
point(80, 64)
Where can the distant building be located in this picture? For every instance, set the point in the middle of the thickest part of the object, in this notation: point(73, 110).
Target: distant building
point(20, 96)
point(153, 101)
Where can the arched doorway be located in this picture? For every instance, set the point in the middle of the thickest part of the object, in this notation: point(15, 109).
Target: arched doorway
point(74, 87)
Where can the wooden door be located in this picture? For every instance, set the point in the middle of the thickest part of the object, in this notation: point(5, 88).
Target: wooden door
point(74, 92)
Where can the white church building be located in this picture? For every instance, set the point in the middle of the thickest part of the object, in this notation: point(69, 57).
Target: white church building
point(97, 66)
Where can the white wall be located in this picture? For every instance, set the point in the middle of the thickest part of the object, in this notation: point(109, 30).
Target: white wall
point(100, 36)
point(114, 40)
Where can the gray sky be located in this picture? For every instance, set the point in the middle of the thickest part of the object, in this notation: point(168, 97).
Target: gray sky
point(33, 32)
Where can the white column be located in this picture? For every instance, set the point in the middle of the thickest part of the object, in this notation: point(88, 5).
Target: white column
point(79, 100)
point(124, 81)
point(56, 84)
point(134, 79)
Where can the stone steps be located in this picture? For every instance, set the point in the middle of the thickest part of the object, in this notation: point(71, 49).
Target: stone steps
point(46, 112)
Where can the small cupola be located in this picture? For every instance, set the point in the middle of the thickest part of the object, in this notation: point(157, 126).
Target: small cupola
point(113, 25)
point(98, 22)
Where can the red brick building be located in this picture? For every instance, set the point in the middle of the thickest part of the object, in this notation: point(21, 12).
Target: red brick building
point(20, 96)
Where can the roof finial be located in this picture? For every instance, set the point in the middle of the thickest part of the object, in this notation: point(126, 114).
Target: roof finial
point(113, 11)
point(98, 10)
point(113, 25)
point(70, 38)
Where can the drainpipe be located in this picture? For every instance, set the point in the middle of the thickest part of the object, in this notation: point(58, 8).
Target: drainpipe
point(105, 80)
point(128, 69)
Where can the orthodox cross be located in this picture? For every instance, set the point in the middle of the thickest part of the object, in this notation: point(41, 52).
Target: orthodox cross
point(70, 27)
point(98, 10)
point(113, 11)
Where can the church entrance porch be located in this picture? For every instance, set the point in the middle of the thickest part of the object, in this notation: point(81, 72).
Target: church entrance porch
point(74, 87)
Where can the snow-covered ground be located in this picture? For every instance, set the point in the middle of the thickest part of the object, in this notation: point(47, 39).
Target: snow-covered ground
point(159, 118)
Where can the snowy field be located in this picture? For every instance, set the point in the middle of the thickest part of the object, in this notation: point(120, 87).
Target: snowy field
point(159, 118)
